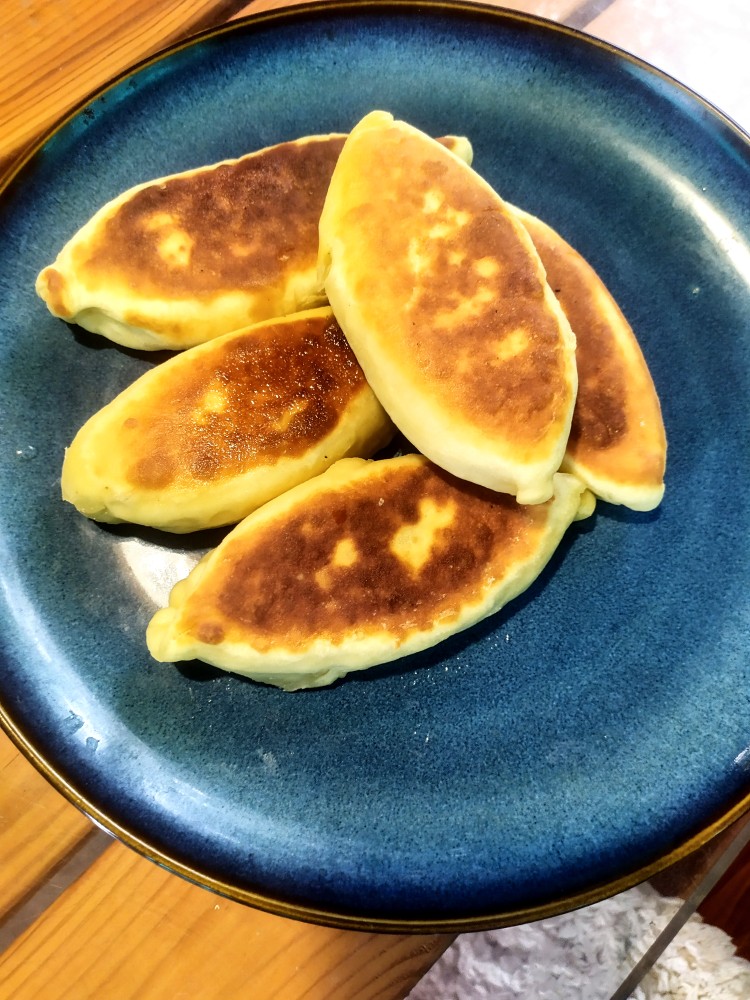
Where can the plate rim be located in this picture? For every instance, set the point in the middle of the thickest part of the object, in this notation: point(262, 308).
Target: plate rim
point(472, 8)
point(357, 922)
point(266, 901)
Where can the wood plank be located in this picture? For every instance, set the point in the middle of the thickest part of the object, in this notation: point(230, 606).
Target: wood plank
point(130, 930)
point(62, 51)
point(555, 10)
point(38, 828)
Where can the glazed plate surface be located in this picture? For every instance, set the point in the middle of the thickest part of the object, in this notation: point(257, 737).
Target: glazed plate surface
point(591, 732)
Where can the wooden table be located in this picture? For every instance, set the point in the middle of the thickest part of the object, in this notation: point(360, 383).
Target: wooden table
point(82, 916)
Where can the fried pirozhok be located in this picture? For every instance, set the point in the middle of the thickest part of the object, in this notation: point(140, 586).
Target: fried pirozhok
point(177, 261)
point(443, 298)
point(213, 433)
point(459, 316)
point(366, 563)
point(617, 444)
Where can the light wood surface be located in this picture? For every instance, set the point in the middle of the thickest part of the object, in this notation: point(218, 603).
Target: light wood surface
point(38, 828)
point(59, 51)
point(128, 930)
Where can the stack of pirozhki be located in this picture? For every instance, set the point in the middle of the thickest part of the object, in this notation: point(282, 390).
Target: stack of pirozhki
point(327, 295)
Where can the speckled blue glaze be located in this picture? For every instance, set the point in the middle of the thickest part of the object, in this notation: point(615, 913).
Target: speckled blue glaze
point(597, 723)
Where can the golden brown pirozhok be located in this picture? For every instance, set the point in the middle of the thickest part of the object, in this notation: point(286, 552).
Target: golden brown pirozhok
point(366, 563)
point(443, 298)
point(213, 433)
point(617, 444)
point(179, 260)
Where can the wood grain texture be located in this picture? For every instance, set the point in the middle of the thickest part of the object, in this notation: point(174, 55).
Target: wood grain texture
point(62, 50)
point(38, 828)
point(128, 929)
point(555, 10)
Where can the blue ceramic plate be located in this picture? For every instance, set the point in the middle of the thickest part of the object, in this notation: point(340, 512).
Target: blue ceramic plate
point(592, 732)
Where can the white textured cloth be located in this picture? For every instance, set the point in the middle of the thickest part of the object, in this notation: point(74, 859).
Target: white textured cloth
point(585, 955)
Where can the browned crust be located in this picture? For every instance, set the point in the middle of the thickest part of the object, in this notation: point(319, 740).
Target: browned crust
point(441, 267)
point(617, 429)
point(244, 225)
point(241, 225)
point(255, 397)
point(287, 583)
point(53, 288)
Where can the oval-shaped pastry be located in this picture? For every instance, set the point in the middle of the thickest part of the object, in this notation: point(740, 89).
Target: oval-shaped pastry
point(443, 298)
point(366, 563)
point(208, 436)
point(617, 444)
point(179, 260)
